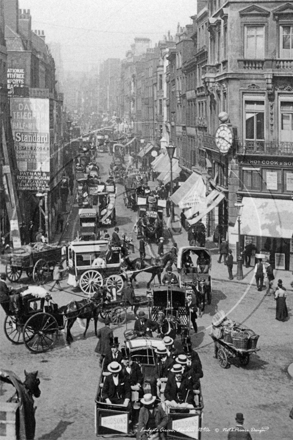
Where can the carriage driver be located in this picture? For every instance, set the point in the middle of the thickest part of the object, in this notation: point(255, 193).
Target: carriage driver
point(116, 387)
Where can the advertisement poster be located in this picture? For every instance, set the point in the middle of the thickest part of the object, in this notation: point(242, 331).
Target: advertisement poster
point(15, 78)
point(272, 180)
point(31, 133)
point(289, 181)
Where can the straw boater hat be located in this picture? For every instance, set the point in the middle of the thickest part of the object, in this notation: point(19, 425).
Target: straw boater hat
point(114, 367)
point(161, 349)
point(177, 369)
point(161, 238)
point(168, 341)
point(141, 314)
point(181, 359)
point(148, 399)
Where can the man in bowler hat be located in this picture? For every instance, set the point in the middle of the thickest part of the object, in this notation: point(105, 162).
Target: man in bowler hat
point(239, 432)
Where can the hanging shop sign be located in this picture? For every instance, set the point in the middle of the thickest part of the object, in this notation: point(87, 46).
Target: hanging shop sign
point(31, 133)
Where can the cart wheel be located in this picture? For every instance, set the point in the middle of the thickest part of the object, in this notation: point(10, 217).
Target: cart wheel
point(41, 272)
point(90, 281)
point(40, 332)
point(13, 273)
point(13, 330)
point(105, 314)
point(118, 316)
point(115, 281)
point(223, 358)
point(244, 359)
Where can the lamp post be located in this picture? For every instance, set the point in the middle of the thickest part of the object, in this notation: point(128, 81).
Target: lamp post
point(171, 150)
point(239, 254)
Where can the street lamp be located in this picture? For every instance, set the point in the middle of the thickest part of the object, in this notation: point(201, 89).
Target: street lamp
point(171, 150)
point(239, 254)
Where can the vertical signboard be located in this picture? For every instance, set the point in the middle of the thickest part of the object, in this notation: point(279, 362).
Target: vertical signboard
point(31, 133)
point(15, 78)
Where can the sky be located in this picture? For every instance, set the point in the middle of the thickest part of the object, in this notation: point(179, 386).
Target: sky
point(91, 31)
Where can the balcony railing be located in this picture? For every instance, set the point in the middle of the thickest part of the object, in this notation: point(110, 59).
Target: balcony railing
point(269, 148)
point(276, 64)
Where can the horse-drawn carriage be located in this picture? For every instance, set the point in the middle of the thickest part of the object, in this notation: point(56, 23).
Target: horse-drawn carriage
point(114, 420)
point(37, 261)
point(194, 265)
point(81, 256)
point(150, 218)
point(32, 319)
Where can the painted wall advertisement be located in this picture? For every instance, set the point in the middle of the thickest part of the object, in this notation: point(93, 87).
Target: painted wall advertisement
point(15, 78)
point(31, 133)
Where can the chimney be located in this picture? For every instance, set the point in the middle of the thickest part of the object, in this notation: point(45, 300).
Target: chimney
point(11, 14)
point(40, 34)
point(25, 23)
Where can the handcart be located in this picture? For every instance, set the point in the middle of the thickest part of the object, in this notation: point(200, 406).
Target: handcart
point(225, 351)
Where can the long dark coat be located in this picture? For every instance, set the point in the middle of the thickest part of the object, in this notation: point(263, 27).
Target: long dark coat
point(103, 346)
point(185, 390)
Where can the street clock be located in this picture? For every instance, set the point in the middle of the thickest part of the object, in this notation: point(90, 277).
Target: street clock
point(224, 138)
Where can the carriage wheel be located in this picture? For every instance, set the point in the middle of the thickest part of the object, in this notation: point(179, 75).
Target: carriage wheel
point(13, 273)
point(13, 330)
point(118, 316)
point(41, 272)
point(115, 281)
point(223, 358)
point(90, 281)
point(40, 332)
point(244, 359)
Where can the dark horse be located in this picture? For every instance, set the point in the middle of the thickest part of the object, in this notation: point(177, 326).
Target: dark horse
point(88, 308)
point(24, 394)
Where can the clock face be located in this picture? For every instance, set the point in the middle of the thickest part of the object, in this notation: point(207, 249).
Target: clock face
point(224, 138)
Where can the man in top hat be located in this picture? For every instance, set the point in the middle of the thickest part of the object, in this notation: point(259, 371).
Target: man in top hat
point(178, 388)
point(114, 354)
point(239, 432)
point(144, 326)
point(105, 335)
point(152, 420)
point(193, 367)
point(116, 388)
point(161, 246)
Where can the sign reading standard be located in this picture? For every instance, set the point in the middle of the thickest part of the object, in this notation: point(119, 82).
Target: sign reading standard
point(31, 132)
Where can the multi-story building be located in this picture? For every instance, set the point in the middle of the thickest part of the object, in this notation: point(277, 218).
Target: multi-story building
point(109, 74)
point(36, 116)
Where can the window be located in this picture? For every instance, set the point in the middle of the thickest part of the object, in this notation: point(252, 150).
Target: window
point(286, 121)
point(160, 82)
point(286, 41)
point(288, 177)
point(218, 45)
point(225, 43)
point(272, 180)
point(160, 106)
point(254, 120)
point(251, 179)
point(254, 42)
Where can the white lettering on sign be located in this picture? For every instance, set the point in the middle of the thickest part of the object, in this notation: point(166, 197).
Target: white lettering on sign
point(117, 423)
point(187, 426)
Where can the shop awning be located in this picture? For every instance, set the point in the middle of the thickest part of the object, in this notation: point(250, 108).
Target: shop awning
point(145, 150)
point(266, 217)
point(157, 159)
point(195, 197)
point(166, 170)
point(166, 177)
point(162, 164)
point(184, 188)
point(212, 200)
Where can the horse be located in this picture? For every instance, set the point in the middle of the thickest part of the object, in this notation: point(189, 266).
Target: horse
point(25, 392)
point(88, 309)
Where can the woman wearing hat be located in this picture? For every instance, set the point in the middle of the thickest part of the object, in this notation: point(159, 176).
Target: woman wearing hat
point(178, 389)
point(116, 388)
point(281, 306)
point(152, 419)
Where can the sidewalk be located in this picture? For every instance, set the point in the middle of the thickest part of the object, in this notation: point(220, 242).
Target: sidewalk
point(219, 271)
